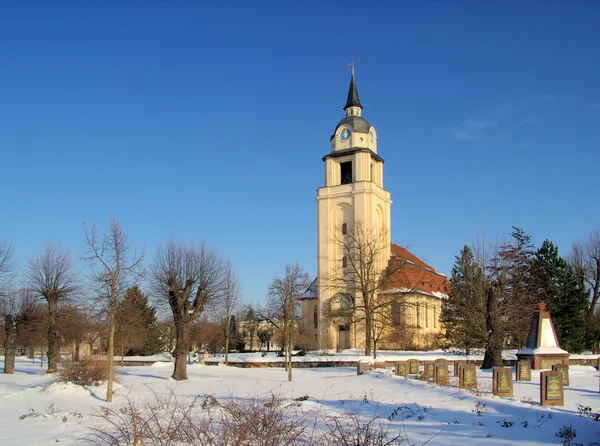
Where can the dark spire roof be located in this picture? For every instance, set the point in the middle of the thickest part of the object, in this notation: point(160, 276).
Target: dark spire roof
point(353, 100)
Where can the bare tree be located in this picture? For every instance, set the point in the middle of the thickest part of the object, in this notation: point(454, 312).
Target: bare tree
point(9, 305)
point(186, 277)
point(366, 282)
point(585, 259)
point(52, 276)
point(227, 304)
point(115, 267)
point(7, 265)
point(283, 307)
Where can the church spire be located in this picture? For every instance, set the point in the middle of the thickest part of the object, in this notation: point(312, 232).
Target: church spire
point(353, 100)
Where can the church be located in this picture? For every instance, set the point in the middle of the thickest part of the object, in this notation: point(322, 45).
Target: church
point(368, 290)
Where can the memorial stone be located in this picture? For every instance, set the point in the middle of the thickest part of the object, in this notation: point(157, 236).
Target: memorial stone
point(362, 366)
point(502, 381)
point(413, 366)
point(523, 371)
point(428, 370)
point(441, 372)
point(402, 369)
point(551, 389)
point(564, 370)
point(468, 377)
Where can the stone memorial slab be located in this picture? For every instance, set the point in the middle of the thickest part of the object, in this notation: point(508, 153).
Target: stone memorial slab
point(402, 368)
point(468, 377)
point(551, 389)
point(362, 367)
point(428, 370)
point(502, 381)
point(564, 371)
point(441, 373)
point(413, 366)
point(523, 371)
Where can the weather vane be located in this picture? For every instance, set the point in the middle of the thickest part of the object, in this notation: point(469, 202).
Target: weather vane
point(351, 64)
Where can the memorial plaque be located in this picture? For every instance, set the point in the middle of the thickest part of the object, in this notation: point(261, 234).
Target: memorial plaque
point(428, 370)
point(548, 363)
point(523, 371)
point(468, 377)
point(564, 371)
point(502, 381)
point(551, 389)
point(402, 369)
point(413, 367)
point(441, 373)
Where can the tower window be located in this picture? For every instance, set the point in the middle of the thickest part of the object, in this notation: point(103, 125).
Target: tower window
point(316, 318)
point(346, 172)
point(344, 262)
point(344, 228)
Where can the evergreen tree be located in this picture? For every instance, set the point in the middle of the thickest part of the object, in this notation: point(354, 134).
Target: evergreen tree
point(137, 332)
point(515, 260)
point(463, 304)
point(567, 300)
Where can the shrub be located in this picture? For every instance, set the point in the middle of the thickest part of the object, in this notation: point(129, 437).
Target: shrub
point(85, 372)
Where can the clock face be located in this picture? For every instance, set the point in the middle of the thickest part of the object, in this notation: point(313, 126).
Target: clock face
point(345, 135)
point(371, 136)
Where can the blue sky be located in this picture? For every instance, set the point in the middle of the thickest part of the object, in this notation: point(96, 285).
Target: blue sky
point(208, 120)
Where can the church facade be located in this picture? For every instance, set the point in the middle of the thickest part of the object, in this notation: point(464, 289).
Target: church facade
point(364, 281)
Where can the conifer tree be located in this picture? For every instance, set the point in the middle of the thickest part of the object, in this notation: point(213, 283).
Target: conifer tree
point(462, 312)
point(558, 286)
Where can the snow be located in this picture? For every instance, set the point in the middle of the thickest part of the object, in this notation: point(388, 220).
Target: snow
point(37, 410)
point(542, 350)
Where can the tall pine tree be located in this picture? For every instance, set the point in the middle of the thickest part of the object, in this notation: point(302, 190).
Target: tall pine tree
point(558, 286)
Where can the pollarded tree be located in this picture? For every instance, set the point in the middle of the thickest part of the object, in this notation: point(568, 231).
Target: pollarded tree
point(115, 267)
point(283, 307)
point(186, 277)
point(567, 299)
point(52, 276)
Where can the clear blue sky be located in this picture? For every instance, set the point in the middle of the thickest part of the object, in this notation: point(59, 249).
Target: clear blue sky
point(208, 120)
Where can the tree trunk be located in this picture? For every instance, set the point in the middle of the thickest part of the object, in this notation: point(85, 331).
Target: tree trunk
point(368, 335)
point(289, 357)
point(227, 343)
point(10, 344)
point(53, 342)
point(110, 353)
point(493, 342)
point(181, 348)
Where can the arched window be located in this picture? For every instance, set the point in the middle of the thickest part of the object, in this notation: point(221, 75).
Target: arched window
point(316, 317)
point(344, 228)
point(344, 262)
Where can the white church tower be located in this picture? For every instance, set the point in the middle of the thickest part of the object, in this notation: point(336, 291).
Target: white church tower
point(353, 194)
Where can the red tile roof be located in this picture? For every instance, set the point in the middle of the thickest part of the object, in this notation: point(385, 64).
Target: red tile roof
point(410, 272)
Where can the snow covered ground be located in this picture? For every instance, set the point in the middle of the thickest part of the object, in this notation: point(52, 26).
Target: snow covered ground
point(36, 410)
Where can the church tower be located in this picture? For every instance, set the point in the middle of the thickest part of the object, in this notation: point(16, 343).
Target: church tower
point(352, 195)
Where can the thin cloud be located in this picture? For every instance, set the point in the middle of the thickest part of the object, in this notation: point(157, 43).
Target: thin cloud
point(507, 120)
